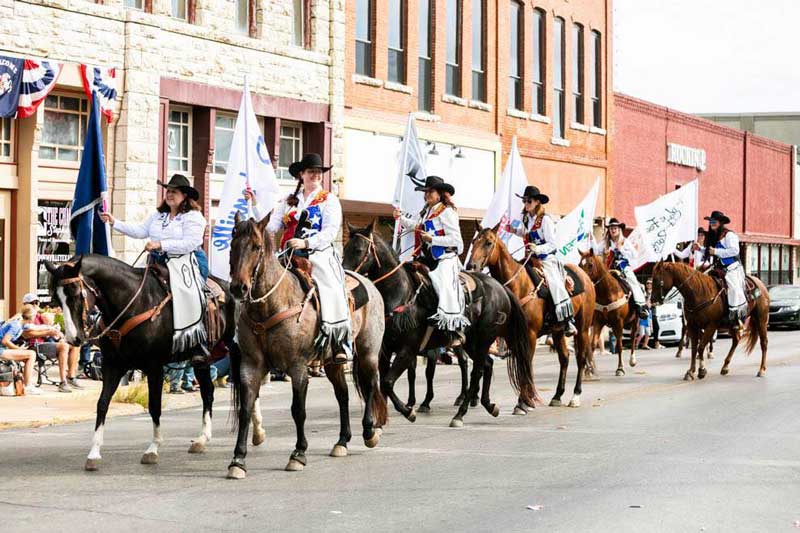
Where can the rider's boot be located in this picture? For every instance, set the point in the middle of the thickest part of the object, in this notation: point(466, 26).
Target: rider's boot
point(569, 327)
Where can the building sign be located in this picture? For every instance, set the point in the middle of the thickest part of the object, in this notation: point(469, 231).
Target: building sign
point(685, 156)
point(53, 241)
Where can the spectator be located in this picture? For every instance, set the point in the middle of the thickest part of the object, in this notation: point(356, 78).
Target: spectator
point(10, 333)
point(48, 340)
point(646, 322)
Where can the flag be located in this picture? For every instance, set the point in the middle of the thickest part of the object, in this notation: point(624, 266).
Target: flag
point(38, 79)
point(101, 83)
point(574, 230)
point(11, 69)
point(669, 220)
point(411, 173)
point(91, 192)
point(637, 250)
point(249, 167)
point(506, 205)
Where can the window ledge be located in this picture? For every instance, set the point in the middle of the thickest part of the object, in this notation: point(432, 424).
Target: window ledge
point(398, 87)
point(559, 142)
point(597, 131)
point(580, 127)
point(366, 80)
point(518, 113)
point(451, 99)
point(477, 104)
point(427, 117)
point(536, 117)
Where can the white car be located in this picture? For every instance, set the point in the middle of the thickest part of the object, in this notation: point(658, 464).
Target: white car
point(670, 318)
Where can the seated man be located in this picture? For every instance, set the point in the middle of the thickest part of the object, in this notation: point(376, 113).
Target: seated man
point(10, 333)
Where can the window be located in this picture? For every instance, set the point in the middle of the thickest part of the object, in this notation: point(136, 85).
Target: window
point(596, 80)
point(397, 66)
point(515, 56)
point(364, 61)
point(179, 139)
point(775, 264)
point(298, 26)
point(424, 75)
point(291, 148)
point(6, 138)
point(786, 268)
point(558, 78)
point(242, 16)
point(537, 73)
point(479, 50)
point(64, 131)
point(223, 137)
point(134, 4)
point(577, 73)
point(179, 9)
point(453, 68)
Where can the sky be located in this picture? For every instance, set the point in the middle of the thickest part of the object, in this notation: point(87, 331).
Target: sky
point(709, 56)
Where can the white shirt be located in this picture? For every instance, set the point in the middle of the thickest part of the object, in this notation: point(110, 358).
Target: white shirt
point(330, 209)
point(448, 219)
point(547, 231)
point(728, 246)
point(698, 257)
point(178, 236)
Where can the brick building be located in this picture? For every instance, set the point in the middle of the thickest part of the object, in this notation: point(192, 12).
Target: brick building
point(181, 64)
point(476, 73)
point(748, 177)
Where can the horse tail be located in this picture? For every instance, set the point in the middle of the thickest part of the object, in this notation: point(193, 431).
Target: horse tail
point(380, 412)
point(753, 330)
point(236, 391)
point(520, 364)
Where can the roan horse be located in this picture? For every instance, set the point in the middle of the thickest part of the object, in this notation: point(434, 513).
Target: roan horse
point(277, 325)
point(612, 309)
point(706, 308)
point(494, 313)
point(489, 251)
point(112, 285)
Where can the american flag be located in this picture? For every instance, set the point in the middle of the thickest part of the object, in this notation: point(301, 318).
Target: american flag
point(38, 79)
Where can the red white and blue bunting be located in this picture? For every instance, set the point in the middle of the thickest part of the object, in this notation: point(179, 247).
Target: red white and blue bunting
point(101, 81)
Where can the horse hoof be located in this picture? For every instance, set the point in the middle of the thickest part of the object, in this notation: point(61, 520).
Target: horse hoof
point(373, 441)
point(519, 411)
point(575, 402)
point(150, 459)
point(688, 377)
point(632, 362)
point(725, 371)
point(197, 447)
point(379, 431)
point(424, 409)
point(339, 451)
point(234, 472)
point(495, 410)
point(295, 466)
point(677, 356)
point(620, 372)
point(456, 423)
point(761, 373)
point(412, 416)
point(91, 465)
point(711, 356)
point(473, 402)
point(259, 437)
point(555, 403)
point(701, 373)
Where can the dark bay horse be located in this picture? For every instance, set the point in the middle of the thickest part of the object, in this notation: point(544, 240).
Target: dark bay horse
point(705, 308)
point(277, 325)
point(488, 250)
point(86, 280)
point(494, 313)
point(612, 309)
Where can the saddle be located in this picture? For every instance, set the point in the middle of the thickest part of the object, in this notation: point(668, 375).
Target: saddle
point(357, 295)
point(572, 282)
point(623, 282)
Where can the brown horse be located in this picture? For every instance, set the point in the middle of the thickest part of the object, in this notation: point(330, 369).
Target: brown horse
point(612, 309)
point(706, 309)
point(489, 251)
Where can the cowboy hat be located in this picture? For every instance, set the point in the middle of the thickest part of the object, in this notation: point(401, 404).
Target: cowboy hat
point(531, 191)
point(181, 182)
point(614, 223)
point(701, 231)
point(718, 216)
point(436, 183)
point(308, 161)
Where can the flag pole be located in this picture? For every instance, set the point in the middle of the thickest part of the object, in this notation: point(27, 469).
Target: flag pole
point(402, 185)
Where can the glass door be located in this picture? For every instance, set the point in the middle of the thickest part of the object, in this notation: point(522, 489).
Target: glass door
point(5, 252)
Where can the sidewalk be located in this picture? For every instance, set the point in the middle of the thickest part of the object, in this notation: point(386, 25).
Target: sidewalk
point(53, 407)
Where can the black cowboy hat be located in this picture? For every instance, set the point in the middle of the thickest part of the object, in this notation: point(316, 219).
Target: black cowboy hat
point(701, 231)
point(308, 161)
point(436, 183)
point(719, 216)
point(614, 223)
point(531, 191)
point(181, 182)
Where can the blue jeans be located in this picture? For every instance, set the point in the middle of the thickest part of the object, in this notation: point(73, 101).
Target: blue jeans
point(221, 368)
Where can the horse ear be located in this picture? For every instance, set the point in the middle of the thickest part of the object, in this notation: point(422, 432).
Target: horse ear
point(262, 226)
point(351, 228)
point(237, 218)
point(478, 226)
point(496, 228)
point(78, 263)
point(372, 226)
point(50, 267)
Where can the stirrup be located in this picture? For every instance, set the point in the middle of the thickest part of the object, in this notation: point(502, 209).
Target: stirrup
point(339, 358)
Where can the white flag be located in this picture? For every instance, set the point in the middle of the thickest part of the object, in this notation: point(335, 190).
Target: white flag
point(506, 205)
point(409, 201)
point(637, 250)
point(249, 166)
point(574, 230)
point(669, 220)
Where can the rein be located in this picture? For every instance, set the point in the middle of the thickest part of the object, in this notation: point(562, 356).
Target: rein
point(371, 250)
point(520, 269)
point(248, 297)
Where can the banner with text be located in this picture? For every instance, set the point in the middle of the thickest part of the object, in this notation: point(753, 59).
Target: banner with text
point(669, 220)
point(574, 230)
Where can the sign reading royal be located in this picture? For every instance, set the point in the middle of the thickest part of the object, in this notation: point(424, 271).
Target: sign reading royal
point(686, 156)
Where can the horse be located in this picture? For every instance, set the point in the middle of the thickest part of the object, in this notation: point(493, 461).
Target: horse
point(488, 250)
point(277, 326)
point(122, 292)
point(705, 309)
point(612, 309)
point(493, 313)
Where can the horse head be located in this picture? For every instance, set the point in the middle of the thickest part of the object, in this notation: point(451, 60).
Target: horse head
point(592, 264)
point(485, 249)
point(75, 296)
point(361, 252)
point(663, 281)
point(250, 244)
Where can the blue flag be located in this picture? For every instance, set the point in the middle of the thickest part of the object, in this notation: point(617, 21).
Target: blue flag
point(90, 233)
point(10, 83)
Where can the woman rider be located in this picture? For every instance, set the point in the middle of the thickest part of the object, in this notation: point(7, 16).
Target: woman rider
point(613, 243)
point(439, 242)
point(539, 232)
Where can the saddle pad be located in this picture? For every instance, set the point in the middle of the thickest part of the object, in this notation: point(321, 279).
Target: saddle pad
point(356, 289)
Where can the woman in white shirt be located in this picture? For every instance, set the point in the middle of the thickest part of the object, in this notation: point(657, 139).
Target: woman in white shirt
point(614, 244)
point(696, 252)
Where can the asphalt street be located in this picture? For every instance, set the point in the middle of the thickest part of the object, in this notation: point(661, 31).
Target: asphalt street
point(645, 452)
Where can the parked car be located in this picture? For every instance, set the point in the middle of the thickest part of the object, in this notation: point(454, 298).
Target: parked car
point(784, 306)
point(670, 319)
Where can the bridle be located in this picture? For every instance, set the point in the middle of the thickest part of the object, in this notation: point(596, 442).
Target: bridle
point(248, 297)
point(372, 250)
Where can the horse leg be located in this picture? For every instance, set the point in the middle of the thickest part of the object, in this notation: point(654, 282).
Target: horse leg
point(563, 361)
point(111, 377)
point(463, 366)
point(581, 346)
point(474, 383)
point(375, 411)
point(430, 371)
point(590, 370)
point(203, 374)
point(522, 405)
point(335, 374)
point(684, 338)
point(735, 337)
point(694, 335)
point(762, 337)
point(250, 375)
point(619, 327)
point(155, 383)
point(486, 401)
point(402, 361)
point(708, 334)
point(412, 384)
point(299, 375)
point(259, 434)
